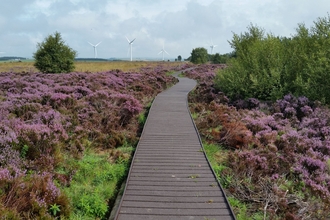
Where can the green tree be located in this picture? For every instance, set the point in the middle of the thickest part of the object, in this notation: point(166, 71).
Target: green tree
point(216, 59)
point(54, 56)
point(256, 70)
point(179, 58)
point(307, 66)
point(199, 55)
point(222, 58)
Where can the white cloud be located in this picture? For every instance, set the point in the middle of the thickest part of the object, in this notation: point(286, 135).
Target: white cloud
point(3, 21)
point(75, 2)
point(182, 25)
point(41, 6)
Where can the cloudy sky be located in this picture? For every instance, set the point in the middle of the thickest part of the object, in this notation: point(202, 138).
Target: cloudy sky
point(179, 25)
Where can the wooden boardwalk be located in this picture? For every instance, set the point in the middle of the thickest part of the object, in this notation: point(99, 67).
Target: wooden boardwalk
point(170, 177)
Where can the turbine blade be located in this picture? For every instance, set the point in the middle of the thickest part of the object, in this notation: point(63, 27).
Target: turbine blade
point(98, 44)
point(166, 52)
point(127, 39)
point(91, 44)
point(132, 41)
point(160, 52)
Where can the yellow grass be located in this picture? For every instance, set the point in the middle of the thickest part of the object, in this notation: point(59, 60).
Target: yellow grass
point(87, 66)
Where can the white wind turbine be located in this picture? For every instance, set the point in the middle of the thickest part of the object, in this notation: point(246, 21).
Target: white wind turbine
point(130, 45)
point(95, 51)
point(163, 51)
point(212, 47)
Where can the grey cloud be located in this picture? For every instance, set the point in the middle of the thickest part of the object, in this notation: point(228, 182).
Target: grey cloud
point(182, 25)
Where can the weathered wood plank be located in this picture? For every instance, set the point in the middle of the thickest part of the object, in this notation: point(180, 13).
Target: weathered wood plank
point(176, 212)
point(202, 197)
point(152, 217)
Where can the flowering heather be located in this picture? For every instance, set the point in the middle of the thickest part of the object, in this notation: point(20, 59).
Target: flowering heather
point(46, 116)
point(280, 152)
point(205, 72)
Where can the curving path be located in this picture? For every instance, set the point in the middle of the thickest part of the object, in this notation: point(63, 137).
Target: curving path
point(170, 177)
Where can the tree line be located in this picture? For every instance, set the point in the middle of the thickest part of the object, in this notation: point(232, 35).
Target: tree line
point(200, 55)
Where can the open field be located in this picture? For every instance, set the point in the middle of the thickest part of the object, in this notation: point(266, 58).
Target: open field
point(88, 66)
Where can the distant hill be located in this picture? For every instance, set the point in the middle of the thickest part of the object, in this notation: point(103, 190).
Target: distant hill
point(90, 59)
point(12, 58)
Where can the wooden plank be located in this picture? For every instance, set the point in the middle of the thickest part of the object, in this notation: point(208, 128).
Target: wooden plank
point(177, 175)
point(202, 197)
point(193, 173)
point(168, 169)
point(169, 163)
point(173, 205)
point(172, 188)
point(176, 212)
point(173, 183)
point(169, 179)
point(152, 217)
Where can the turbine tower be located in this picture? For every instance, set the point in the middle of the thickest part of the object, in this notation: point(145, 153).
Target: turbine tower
point(163, 51)
point(95, 51)
point(212, 47)
point(130, 45)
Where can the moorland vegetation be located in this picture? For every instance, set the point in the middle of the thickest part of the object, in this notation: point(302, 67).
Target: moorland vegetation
point(265, 122)
point(66, 140)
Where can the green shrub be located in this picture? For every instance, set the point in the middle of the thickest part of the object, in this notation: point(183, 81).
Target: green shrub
point(199, 55)
point(53, 56)
point(268, 67)
point(256, 70)
point(221, 59)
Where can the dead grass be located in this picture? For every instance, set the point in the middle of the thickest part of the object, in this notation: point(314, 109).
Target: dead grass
point(87, 66)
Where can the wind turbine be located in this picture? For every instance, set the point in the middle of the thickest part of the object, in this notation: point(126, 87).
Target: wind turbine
point(163, 51)
point(212, 47)
point(95, 51)
point(130, 45)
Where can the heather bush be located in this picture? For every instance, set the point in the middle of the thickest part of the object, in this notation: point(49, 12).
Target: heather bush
point(205, 90)
point(30, 196)
point(47, 121)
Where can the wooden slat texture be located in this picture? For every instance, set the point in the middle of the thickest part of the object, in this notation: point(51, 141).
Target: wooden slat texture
point(170, 177)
